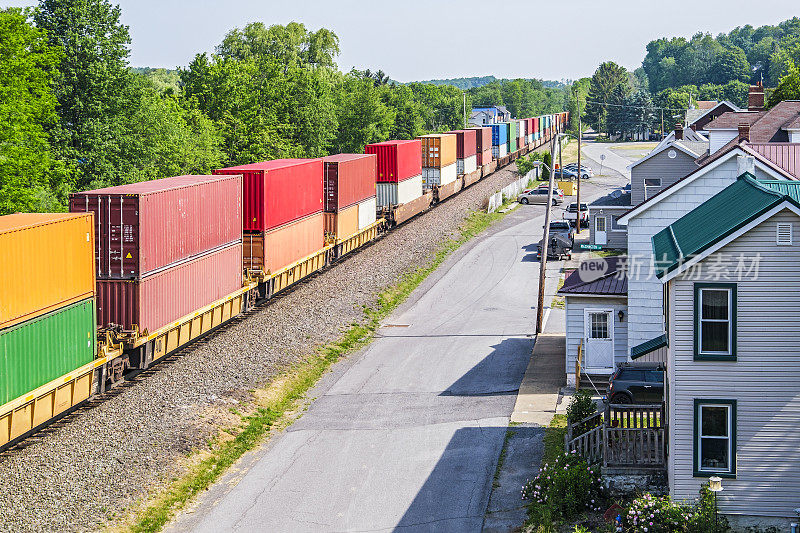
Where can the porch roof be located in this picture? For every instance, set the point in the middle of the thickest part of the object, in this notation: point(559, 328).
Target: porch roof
point(648, 346)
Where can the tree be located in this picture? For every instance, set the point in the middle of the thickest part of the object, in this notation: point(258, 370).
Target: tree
point(608, 82)
point(731, 65)
point(577, 101)
point(788, 88)
point(30, 179)
point(362, 116)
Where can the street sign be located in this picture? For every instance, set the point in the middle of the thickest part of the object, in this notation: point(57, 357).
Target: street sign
point(590, 247)
point(602, 157)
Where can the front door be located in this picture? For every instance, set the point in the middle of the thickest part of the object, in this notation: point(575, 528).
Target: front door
point(600, 235)
point(599, 340)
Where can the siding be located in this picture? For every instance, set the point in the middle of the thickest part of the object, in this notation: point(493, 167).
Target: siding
point(644, 289)
point(764, 379)
point(617, 239)
point(660, 166)
point(575, 306)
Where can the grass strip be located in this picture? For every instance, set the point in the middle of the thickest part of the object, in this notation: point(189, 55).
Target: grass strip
point(288, 389)
point(554, 438)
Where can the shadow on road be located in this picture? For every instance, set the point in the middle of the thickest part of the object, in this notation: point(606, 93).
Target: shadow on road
point(498, 373)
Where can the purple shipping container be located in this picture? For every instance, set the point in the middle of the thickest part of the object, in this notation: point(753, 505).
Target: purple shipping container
point(144, 227)
point(162, 298)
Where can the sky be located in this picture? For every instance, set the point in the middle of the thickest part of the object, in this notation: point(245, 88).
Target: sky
point(419, 40)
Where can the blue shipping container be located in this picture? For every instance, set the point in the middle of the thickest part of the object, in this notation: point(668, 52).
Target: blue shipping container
point(499, 134)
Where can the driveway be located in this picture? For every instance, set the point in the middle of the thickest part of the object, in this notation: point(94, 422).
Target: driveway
point(617, 155)
point(406, 434)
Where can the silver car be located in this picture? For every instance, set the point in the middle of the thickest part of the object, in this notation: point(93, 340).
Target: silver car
point(539, 196)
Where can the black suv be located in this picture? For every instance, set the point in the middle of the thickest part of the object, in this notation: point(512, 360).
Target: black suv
point(637, 383)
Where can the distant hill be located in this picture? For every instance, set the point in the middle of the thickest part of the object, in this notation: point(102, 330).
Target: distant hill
point(480, 81)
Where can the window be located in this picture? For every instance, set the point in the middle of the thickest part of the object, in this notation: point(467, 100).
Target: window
point(651, 186)
point(599, 325)
point(715, 321)
point(615, 225)
point(715, 438)
point(783, 236)
point(600, 223)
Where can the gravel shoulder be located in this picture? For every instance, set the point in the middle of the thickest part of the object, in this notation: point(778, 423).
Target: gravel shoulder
point(86, 473)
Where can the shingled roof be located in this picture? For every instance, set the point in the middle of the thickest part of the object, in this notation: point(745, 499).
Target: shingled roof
point(765, 126)
point(613, 283)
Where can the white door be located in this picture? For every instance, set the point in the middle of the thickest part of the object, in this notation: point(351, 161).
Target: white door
point(598, 340)
point(600, 234)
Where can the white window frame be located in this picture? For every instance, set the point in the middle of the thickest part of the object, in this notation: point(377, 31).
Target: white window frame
point(699, 432)
point(784, 226)
point(646, 186)
point(700, 321)
point(597, 219)
point(621, 227)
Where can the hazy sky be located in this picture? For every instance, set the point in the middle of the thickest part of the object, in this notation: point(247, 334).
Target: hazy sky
point(416, 39)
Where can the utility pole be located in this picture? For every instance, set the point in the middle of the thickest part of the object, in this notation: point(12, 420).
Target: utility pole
point(543, 260)
point(662, 122)
point(580, 171)
point(465, 109)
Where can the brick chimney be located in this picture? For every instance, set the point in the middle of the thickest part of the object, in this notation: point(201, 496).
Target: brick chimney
point(744, 131)
point(755, 97)
point(678, 132)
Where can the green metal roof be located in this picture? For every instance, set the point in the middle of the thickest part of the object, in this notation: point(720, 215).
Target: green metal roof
point(784, 187)
point(648, 346)
point(715, 219)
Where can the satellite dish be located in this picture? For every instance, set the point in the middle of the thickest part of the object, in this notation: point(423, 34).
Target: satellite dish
point(616, 193)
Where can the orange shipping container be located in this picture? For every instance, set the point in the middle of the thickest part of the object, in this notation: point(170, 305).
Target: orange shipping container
point(343, 223)
point(46, 262)
point(275, 249)
point(438, 150)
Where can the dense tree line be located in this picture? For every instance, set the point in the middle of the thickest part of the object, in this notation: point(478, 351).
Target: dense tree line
point(522, 97)
point(74, 115)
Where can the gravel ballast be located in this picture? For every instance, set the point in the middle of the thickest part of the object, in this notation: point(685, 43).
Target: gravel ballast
point(84, 473)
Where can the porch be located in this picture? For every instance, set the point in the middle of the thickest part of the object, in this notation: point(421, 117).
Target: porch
point(622, 438)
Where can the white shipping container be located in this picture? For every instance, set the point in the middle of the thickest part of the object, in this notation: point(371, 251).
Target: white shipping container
point(366, 212)
point(523, 128)
point(530, 138)
point(399, 193)
point(466, 165)
point(499, 151)
point(432, 177)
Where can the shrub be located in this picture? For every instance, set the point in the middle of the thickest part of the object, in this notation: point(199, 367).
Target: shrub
point(580, 407)
point(659, 514)
point(562, 490)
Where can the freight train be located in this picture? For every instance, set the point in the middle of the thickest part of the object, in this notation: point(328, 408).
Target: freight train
point(135, 272)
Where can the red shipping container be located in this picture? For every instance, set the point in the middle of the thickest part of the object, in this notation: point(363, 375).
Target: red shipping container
point(349, 179)
point(162, 298)
point(397, 160)
point(279, 191)
point(143, 227)
point(465, 142)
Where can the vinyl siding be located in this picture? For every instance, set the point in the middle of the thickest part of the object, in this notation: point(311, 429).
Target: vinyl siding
point(575, 306)
point(660, 166)
point(617, 239)
point(644, 289)
point(764, 379)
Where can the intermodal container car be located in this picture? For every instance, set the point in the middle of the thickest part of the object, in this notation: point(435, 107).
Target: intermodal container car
point(342, 223)
point(399, 193)
point(273, 250)
point(397, 160)
point(146, 226)
point(367, 212)
point(512, 137)
point(483, 145)
point(466, 148)
point(280, 191)
point(349, 179)
point(499, 134)
point(159, 299)
point(438, 150)
point(44, 348)
point(46, 262)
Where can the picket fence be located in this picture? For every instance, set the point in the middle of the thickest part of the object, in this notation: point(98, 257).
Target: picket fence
point(509, 192)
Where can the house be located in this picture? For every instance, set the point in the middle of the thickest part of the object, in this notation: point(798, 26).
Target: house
point(706, 111)
point(658, 211)
point(604, 227)
point(681, 133)
point(481, 116)
point(730, 270)
point(596, 317)
point(779, 124)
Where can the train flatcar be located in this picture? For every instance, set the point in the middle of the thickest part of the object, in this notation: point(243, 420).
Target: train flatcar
point(145, 269)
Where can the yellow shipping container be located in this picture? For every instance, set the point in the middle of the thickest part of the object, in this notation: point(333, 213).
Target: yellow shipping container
point(438, 150)
point(46, 262)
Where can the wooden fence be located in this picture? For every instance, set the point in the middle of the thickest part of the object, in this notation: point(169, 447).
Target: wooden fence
point(623, 436)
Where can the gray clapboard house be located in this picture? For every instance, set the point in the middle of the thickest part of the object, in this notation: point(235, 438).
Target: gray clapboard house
point(604, 213)
point(731, 276)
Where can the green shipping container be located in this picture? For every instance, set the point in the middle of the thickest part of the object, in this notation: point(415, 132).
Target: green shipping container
point(513, 133)
point(44, 348)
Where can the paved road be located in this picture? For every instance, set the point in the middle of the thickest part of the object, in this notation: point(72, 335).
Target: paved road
point(406, 434)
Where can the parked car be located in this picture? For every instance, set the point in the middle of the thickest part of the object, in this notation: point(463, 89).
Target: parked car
point(564, 228)
point(586, 172)
point(559, 247)
point(637, 383)
point(571, 216)
point(565, 174)
point(539, 196)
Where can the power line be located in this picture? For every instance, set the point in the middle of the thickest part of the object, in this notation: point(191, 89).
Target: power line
point(636, 106)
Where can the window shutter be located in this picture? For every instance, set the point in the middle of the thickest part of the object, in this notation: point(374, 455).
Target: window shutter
point(783, 234)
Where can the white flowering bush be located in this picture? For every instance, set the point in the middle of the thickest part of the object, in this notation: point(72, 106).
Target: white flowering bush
point(563, 489)
point(659, 514)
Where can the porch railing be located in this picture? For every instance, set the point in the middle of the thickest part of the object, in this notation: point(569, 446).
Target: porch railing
point(622, 436)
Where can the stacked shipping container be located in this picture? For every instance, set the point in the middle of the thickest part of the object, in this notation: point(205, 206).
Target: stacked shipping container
point(399, 178)
point(483, 146)
point(438, 160)
point(499, 140)
point(283, 211)
point(47, 316)
point(512, 136)
point(350, 204)
point(466, 150)
point(165, 248)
